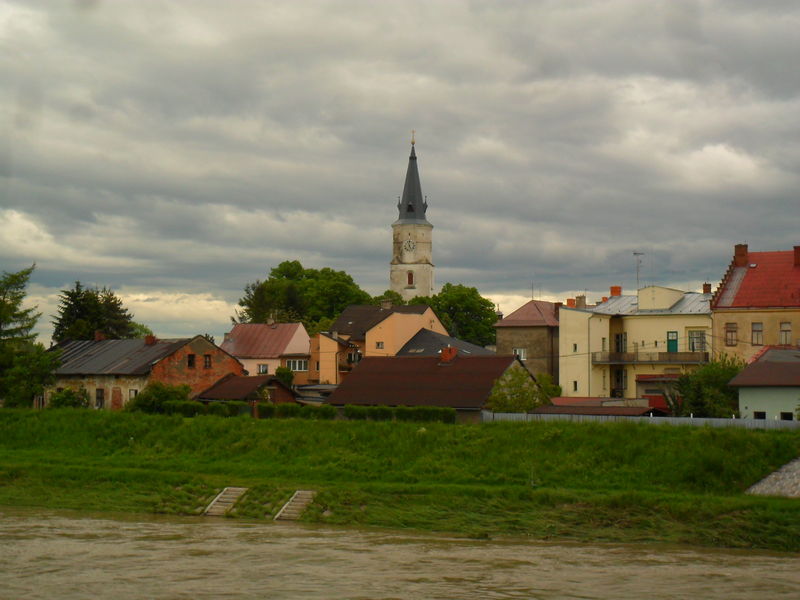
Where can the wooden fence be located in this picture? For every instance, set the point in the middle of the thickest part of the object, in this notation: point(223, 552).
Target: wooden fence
point(488, 417)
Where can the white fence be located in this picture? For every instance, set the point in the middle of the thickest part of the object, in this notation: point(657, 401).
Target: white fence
point(488, 417)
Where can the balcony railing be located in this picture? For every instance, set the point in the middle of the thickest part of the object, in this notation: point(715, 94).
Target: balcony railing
point(621, 358)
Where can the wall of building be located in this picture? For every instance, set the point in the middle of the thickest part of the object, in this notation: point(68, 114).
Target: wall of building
point(396, 329)
point(251, 365)
point(327, 360)
point(117, 389)
point(771, 400)
point(540, 344)
point(771, 320)
point(174, 369)
point(418, 261)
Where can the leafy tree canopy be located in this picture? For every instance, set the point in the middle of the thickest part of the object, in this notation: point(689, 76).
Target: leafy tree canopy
point(294, 293)
point(32, 369)
point(464, 313)
point(70, 399)
point(285, 375)
point(16, 323)
point(516, 391)
point(82, 311)
point(155, 394)
point(705, 392)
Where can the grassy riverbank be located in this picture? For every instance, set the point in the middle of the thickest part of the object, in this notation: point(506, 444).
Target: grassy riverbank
point(614, 482)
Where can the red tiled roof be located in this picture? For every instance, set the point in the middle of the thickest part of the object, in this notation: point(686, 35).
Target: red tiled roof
point(774, 281)
point(659, 377)
point(259, 340)
point(536, 313)
point(464, 382)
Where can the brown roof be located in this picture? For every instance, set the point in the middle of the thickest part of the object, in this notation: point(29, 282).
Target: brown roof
point(777, 367)
point(259, 340)
point(464, 382)
point(357, 319)
point(611, 411)
point(239, 387)
point(536, 313)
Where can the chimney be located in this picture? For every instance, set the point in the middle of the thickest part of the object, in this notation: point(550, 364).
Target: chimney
point(605, 298)
point(706, 288)
point(580, 301)
point(557, 308)
point(99, 336)
point(616, 290)
point(797, 256)
point(149, 340)
point(740, 255)
point(448, 354)
point(570, 302)
point(386, 304)
point(334, 334)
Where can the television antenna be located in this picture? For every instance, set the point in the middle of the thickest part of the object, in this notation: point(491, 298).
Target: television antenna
point(638, 257)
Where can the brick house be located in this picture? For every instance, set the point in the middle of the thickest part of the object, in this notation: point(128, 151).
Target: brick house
point(115, 371)
point(531, 333)
point(757, 303)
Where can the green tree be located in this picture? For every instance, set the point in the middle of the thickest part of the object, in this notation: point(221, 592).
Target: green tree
point(16, 323)
point(152, 398)
point(390, 295)
point(515, 391)
point(69, 398)
point(464, 313)
point(546, 389)
point(285, 375)
point(31, 371)
point(293, 293)
point(705, 392)
point(140, 330)
point(82, 311)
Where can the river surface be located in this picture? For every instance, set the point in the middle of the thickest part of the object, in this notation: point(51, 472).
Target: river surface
point(57, 554)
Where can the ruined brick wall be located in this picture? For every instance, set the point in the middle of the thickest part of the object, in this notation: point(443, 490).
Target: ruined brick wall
point(178, 369)
point(117, 390)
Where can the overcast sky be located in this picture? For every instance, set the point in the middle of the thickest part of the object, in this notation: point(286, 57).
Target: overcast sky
point(176, 151)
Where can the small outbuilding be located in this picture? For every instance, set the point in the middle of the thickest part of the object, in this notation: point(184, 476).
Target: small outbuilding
point(769, 387)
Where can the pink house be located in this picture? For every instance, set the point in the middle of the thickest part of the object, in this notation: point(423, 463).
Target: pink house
point(263, 347)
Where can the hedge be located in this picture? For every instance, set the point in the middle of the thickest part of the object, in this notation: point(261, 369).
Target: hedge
point(187, 408)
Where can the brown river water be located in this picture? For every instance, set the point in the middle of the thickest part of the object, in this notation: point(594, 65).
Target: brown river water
point(47, 554)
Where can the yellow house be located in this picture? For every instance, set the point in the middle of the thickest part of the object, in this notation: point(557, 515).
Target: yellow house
point(630, 346)
point(366, 330)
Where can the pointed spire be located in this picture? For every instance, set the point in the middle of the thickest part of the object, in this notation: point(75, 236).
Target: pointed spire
point(412, 205)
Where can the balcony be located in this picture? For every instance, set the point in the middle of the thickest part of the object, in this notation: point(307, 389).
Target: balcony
point(652, 358)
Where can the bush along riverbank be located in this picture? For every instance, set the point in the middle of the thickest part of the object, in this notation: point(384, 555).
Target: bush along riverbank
point(599, 482)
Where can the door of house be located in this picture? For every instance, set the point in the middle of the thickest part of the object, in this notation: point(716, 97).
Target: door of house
point(672, 341)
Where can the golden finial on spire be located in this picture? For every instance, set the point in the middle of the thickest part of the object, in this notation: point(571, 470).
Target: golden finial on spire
point(413, 131)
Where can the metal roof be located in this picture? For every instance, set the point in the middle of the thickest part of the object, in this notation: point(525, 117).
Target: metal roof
point(114, 357)
point(691, 303)
point(412, 206)
point(429, 343)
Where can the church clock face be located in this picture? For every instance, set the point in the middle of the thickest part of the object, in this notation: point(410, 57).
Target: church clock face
point(409, 245)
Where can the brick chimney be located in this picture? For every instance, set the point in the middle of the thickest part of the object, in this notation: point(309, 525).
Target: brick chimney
point(605, 298)
point(580, 301)
point(740, 255)
point(448, 354)
point(149, 340)
point(99, 336)
point(615, 290)
point(797, 256)
point(570, 302)
point(557, 308)
point(706, 288)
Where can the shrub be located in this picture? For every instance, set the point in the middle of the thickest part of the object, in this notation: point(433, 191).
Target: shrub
point(287, 410)
point(217, 409)
point(265, 410)
point(380, 413)
point(323, 412)
point(70, 399)
point(238, 407)
point(355, 413)
point(187, 408)
point(421, 414)
point(155, 394)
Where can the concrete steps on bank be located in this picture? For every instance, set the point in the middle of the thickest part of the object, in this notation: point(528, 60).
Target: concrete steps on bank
point(292, 510)
point(224, 501)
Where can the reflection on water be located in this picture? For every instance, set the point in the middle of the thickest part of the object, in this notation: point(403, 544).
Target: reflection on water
point(70, 555)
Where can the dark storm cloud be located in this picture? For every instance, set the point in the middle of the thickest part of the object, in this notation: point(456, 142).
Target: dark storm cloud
point(179, 151)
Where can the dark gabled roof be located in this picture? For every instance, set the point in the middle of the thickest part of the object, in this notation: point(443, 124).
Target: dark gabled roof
point(430, 343)
point(259, 340)
point(465, 382)
point(357, 319)
point(611, 411)
point(237, 387)
point(114, 357)
point(536, 313)
point(776, 367)
point(412, 205)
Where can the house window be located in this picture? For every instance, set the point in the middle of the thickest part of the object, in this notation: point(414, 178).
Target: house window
point(759, 414)
point(603, 344)
point(190, 361)
point(206, 361)
point(697, 341)
point(757, 334)
point(574, 386)
point(379, 345)
point(317, 363)
point(353, 357)
point(620, 342)
point(731, 338)
point(99, 398)
point(297, 364)
point(263, 369)
point(787, 416)
point(132, 393)
point(574, 347)
point(521, 353)
point(785, 334)
point(410, 278)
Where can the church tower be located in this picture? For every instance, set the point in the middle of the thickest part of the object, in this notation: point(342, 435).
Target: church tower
point(411, 272)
